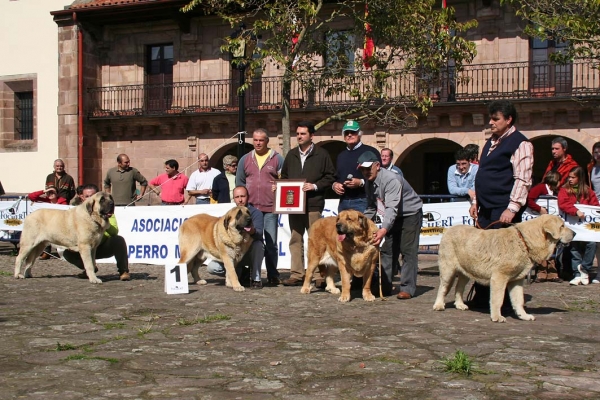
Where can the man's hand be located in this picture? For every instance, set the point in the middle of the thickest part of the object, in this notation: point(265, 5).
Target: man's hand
point(507, 216)
point(338, 188)
point(378, 236)
point(353, 183)
point(307, 187)
point(580, 214)
point(471, 194)
point(543, 211)
point(473, 211)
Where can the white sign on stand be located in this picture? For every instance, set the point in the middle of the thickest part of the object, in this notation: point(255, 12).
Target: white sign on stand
point(176, 279)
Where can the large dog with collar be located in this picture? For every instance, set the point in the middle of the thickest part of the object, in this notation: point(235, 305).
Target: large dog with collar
point(344, 243)
point(224, 239)
point(79, 229)
point(498, 258)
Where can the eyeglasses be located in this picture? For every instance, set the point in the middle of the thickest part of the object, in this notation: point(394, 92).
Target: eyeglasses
point(233, 165)
point(203, 160)
point(346, 133)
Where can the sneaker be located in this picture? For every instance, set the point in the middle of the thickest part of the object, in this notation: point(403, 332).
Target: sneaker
point(256, 285)
point(595, 281)
point(125, 276)
point(585, 278)
point(575, 281)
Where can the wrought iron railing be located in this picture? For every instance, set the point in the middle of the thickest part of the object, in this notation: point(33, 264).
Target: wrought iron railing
point(518, 80)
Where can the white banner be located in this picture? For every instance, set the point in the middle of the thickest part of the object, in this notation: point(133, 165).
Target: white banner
point(151, 232)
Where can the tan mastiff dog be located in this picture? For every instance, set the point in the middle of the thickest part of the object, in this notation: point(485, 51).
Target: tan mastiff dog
point(79, 229)
point(224, 239)
point(344, 243)
point(498, 258)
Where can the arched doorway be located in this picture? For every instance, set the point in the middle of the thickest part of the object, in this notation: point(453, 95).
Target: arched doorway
point(216, 160)
point(425, 165)
point(542, 154)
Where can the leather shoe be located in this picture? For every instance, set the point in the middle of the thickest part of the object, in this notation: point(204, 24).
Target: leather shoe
point(125, 276)
point(403, 296)
point(274, 281)
point(256, 285)
point(44, 256)
point(320, 283)
point(293, 282)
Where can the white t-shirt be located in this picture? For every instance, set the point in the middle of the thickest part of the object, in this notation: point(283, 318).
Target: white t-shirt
point(200, 180)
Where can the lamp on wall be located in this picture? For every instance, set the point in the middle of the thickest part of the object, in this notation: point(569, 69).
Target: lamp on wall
point(240, 51)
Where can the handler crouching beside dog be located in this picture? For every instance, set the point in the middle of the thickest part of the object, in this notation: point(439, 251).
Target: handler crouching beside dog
point(402, 209)
point(254, 256)
point(112, 244)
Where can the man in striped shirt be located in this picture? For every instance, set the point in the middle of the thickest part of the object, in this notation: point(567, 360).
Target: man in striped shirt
point(503, 179)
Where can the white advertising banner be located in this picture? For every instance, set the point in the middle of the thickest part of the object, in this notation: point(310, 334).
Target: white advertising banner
point(151, 232)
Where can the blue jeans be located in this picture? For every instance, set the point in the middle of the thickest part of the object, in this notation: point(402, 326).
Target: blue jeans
point(270, 222)
point(359, 204)
point(582, 253)
point(202, 201)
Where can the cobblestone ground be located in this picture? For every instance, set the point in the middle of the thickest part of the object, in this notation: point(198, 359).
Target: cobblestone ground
point(64, 338)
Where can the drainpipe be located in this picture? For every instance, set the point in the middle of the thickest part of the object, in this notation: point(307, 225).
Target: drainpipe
point(79, 101)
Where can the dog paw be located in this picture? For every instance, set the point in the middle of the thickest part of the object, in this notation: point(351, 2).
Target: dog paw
point(368, 297)
point(19, 276)
point(344, 299)
point(462, 306)
point(333, 290)
point(526, 317)
point(95, 280)
point(305, 290)
point(499, 319)
point(439, 307)
point(239, 288)
point(201, 282)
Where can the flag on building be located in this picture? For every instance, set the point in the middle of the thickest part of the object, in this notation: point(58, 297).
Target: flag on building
point(369, 46)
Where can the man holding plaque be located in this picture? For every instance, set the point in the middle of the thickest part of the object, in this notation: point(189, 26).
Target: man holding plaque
point(313, 165)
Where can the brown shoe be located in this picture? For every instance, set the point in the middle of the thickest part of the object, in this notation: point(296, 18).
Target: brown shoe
point(293, 282)
point(44, 256)
point(320, 283)
point(125, 276)
point(403, 296)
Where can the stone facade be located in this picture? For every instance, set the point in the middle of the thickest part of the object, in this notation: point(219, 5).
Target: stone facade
point(116, 55)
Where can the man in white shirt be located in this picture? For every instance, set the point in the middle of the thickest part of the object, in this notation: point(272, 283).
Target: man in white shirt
point(201, 181)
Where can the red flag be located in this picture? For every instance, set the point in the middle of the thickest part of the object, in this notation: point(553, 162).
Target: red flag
point(369, 46)
point(444, 4)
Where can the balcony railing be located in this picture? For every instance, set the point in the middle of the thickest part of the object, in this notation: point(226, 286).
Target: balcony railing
point(519, 80)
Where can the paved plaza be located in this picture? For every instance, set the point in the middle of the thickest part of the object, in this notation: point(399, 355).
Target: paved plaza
point(64, 338)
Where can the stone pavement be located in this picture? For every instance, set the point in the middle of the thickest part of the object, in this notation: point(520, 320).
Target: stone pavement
point(64, 338)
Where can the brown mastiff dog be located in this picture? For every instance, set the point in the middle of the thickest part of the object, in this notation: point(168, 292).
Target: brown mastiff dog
point(497, 258)
point(225, 239)
point(344, 243)
point(79, 229)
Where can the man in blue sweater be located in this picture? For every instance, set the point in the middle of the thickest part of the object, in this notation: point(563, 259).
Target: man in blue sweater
point(349, 182)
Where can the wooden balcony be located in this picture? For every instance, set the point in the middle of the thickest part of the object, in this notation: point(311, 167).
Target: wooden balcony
point(520, 80)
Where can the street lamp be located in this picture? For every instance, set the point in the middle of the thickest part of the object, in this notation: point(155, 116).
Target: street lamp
point(240, 51)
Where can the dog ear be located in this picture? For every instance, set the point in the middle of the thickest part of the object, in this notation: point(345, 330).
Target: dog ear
point(226, 221)
point(552, 227)
point(90, 206)
point(364, 222)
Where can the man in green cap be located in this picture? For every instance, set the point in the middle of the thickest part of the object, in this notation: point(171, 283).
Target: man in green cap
point(349, 182)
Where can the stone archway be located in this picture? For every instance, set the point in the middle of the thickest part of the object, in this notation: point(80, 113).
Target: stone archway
point(216, 159)
point(425, 164)
point(333, 147)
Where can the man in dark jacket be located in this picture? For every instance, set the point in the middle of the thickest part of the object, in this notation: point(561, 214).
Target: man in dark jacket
point(314, 165)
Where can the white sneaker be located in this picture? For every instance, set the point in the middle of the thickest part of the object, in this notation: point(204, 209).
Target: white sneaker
point(595, 281)
point(585, 278)
point(575, 281)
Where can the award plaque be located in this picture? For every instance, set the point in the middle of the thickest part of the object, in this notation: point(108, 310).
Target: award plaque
point(289, 197)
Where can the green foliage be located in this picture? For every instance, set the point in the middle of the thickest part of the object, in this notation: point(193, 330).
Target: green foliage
point(459, 363)
point(114, 325)
point(64, 347)
point(412, 38)
point(85, 357)
point(214, 318)
point(574, 22)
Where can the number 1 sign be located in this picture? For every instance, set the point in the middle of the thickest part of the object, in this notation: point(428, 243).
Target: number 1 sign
point(176, 279)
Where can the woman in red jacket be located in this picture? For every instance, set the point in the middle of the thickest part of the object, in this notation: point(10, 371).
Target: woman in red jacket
point(576, 191)
point(47, 196)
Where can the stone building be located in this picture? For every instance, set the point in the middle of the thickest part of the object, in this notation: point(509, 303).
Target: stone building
point(155, 85)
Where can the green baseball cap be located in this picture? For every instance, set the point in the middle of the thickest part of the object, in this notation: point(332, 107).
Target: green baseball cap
point(351, 126)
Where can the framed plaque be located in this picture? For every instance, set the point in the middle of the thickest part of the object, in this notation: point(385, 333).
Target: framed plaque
point(289, 197)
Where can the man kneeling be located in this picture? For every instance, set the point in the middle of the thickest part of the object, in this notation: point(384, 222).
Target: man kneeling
point(254, 256)
point(112, 244)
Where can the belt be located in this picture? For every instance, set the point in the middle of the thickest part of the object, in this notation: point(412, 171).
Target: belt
point(172, 204)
